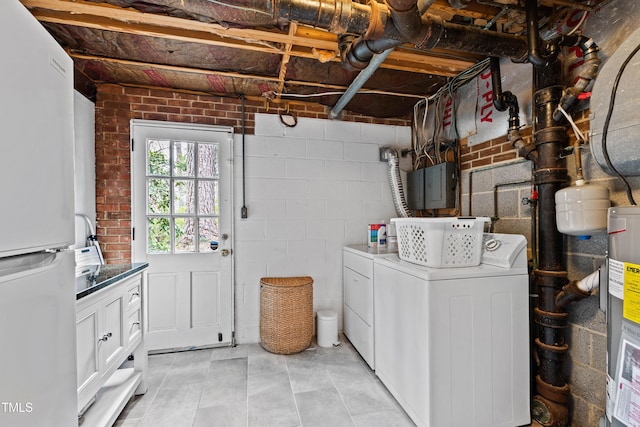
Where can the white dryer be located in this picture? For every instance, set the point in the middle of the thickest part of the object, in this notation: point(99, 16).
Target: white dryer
point(358, 297)
point(452, 344)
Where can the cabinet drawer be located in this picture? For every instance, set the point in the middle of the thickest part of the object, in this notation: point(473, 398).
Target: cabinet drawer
point(134, 329)
point(133, 296)
point(358, 294)
point(359, 264)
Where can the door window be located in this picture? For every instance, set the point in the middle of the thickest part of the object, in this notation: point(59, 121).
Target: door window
point(183, 196)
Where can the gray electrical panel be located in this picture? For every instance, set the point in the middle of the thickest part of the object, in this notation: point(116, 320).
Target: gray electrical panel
point(433, 187)
point(440, 186)
point(415, 190)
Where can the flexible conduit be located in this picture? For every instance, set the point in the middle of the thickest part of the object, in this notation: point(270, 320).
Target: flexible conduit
point(399, 201)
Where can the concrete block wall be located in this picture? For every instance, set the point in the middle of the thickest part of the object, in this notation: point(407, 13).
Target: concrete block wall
point(310, 190)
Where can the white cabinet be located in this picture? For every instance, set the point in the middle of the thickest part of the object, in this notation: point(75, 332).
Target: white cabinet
point(358, 298)
point(100, 342)
point(108, 327)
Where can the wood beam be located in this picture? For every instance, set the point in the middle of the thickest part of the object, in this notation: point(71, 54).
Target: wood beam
point(285, 59)
point(473, 10)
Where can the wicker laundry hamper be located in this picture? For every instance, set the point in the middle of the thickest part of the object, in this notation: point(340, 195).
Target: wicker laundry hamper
point(286, 314)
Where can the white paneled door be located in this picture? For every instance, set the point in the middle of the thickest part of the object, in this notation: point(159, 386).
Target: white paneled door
point(182, 216)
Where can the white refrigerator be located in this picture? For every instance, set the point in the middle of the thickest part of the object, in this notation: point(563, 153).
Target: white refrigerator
point(37, 289)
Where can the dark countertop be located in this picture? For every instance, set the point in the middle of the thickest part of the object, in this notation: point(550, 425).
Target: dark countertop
point(99, 277)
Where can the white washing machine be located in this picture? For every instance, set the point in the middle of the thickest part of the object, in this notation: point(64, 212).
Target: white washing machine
point(452, 344)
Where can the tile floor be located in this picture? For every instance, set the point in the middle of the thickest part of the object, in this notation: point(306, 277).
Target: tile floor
point(248, 386)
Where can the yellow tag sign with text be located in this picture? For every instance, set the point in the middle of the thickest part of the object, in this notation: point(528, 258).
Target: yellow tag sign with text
point(631, 306)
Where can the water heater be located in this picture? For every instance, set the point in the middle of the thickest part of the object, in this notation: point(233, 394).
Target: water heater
point(623, 317)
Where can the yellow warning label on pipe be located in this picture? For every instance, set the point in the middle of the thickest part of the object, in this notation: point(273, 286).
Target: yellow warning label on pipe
point(631, 305)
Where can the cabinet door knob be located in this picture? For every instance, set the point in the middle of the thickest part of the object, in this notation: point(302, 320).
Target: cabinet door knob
point(135, 294)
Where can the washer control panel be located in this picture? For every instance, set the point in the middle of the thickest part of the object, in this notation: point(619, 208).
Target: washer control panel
point(504, 250)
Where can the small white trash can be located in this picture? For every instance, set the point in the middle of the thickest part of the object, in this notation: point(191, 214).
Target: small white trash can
point(327, 328)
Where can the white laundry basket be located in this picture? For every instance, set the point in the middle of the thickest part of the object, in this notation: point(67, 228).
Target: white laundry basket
point(440, 242)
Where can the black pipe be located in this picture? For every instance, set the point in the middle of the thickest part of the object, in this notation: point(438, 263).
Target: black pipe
point(346, 16)
point(551, 361)
point(504, 100)
point(474, 40)
point(443, 35)
point(570, 293)
point(536, 56)
point(339, 16)
point(406, 18)
point(549, 407)
point(496, 81)
point(357, 53)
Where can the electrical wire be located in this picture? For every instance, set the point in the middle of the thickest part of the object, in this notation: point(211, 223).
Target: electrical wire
point(607, 121)
point(431, 142)
point(576, 131)
point(418, 133)
point(425, 143)
point(235, 6)
point(360, 92)
point(577, 27)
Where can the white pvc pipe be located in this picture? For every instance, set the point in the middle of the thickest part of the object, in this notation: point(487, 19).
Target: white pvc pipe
point(589, 283)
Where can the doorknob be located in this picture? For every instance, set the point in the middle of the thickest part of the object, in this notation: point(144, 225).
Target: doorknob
point(225, 252)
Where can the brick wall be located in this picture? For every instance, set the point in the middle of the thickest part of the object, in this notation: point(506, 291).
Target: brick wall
point(116, 105)
point(500, 150)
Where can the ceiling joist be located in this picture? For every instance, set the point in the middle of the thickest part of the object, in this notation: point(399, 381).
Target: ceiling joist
point(285, 59)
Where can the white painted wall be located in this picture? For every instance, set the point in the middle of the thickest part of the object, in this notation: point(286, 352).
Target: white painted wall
point(85, 165)
point(310, 190)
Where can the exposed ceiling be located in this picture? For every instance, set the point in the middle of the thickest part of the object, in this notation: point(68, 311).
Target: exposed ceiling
point(232, 47)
